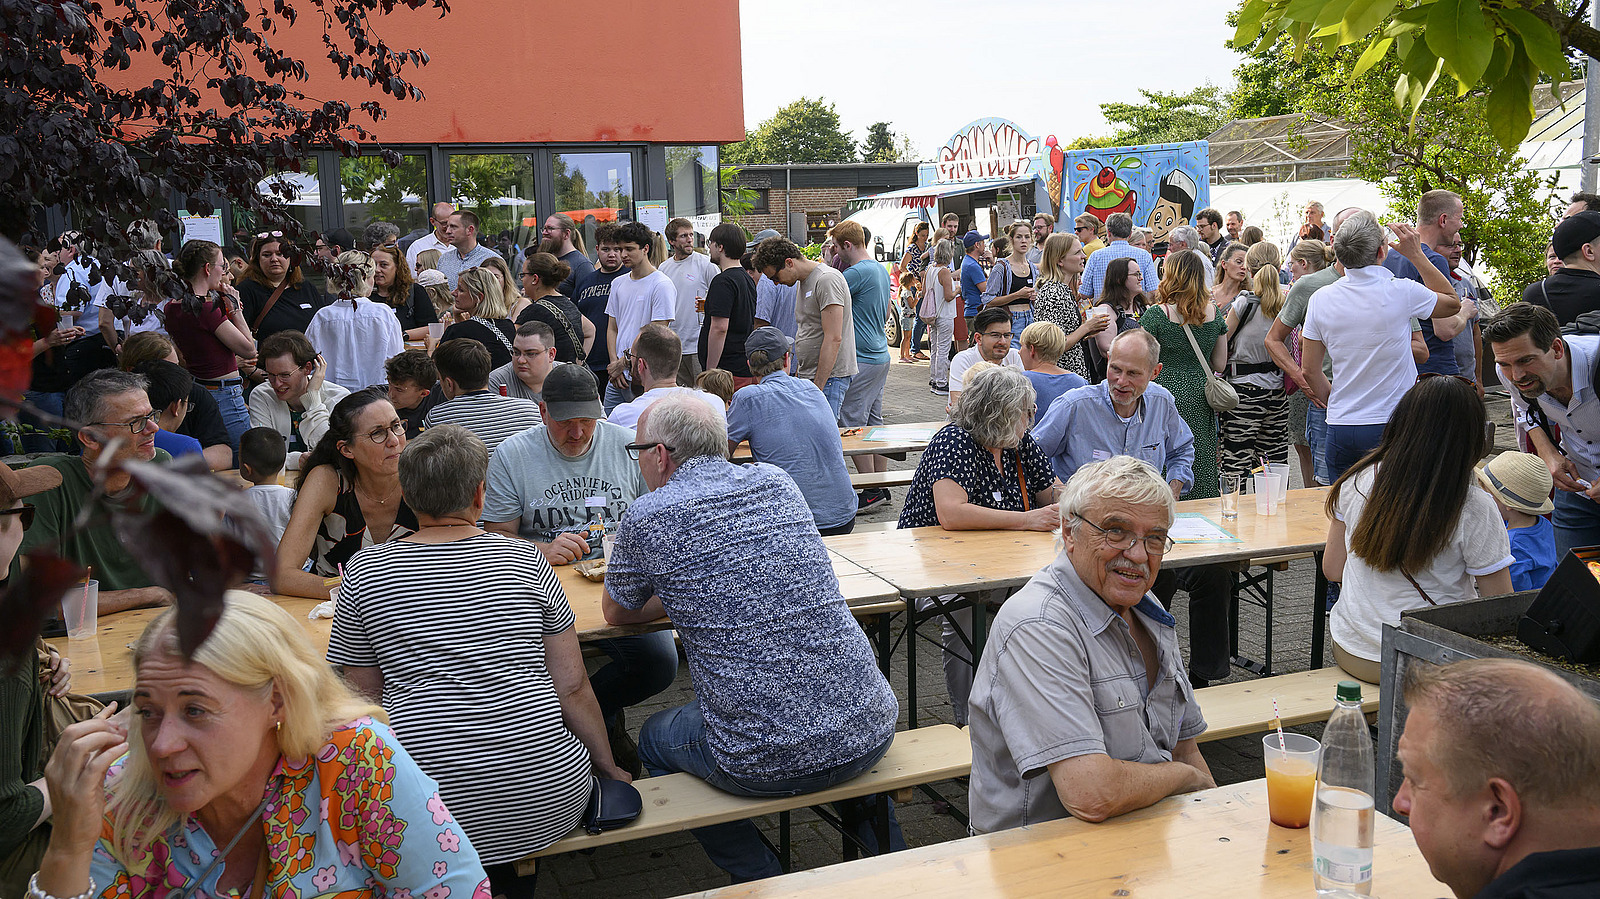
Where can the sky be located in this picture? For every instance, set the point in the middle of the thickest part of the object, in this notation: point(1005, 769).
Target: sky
point(931, 66)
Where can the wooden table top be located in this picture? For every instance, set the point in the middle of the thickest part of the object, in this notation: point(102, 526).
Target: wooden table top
point(1213, 843)
point(104, 663)
point(932, 561)
point(855, 445)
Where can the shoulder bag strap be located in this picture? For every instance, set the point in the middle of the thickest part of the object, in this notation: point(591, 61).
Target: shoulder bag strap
point(1205, 364)
point(1022, 481)
point(1249, 310)
point(1418, 586)
point(271, 301)
point(495, 330)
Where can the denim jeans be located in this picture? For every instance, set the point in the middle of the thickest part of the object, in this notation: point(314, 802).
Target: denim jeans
point(675, 740)
point(640, 667)
point(834, 391)
point(235, 415)
point(1020, 318)
point(37, 440)
point(1210, 588)
point(615, 397)
point(917, 331)
point(1317, 439)
point(1577, 521)
point(1347, 444)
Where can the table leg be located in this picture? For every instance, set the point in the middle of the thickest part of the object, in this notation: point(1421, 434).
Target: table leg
point(1319, 613)
point(980, 625)
point(885, 635)
point(911, 661)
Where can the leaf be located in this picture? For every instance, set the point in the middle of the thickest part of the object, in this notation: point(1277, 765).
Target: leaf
point(1539, 41)
point(1362, 17)
point(1499, 61)
point(1250, 19)
point(1509, 107)
point(1458, 34)
point(1303, 10)
point(1374, 52)
point(1332, 12)
point(31, 596)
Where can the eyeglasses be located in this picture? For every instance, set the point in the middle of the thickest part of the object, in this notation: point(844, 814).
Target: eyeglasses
point(270, 234)
point(528, 354)
point(137, 426)
point(1084, 228)
point(382, 435)
point(995, 335)
point(24, 512)
point(1439, 374)
point(1121, 539)
point(634, 449)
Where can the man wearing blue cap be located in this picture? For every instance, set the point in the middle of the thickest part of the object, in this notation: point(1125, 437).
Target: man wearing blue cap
point(973, 278)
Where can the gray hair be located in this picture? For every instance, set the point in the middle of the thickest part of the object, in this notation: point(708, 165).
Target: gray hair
point(993, 403)
point(143, 234)
point(357, 277)
point(687, 424)
point(86, 400)
point(378, 234)
point(1358, 241)
point(1186, 235)
point(944, 252)
point(1151, 344)
point(1119, 481)
point(440, 470)
point(1119, 225)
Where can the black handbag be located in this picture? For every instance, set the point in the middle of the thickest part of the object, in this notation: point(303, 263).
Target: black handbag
point(612, 804)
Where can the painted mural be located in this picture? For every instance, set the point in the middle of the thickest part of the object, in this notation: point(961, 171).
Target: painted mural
point(1162, 186)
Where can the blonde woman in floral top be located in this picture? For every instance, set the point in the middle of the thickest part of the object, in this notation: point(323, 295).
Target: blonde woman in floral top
point(1056, 299)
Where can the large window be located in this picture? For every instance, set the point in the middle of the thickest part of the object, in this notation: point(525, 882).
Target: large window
point(374, 192)
point(498, 187)
point(593, 188)
point(692, 181)
point(304, 201)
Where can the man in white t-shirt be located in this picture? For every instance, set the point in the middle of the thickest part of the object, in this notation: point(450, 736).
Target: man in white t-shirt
point(991, 331)
point(433, 240)
point(825, 336)
point(638, 298)
point(656, 356)
point(690, 274)
point(1363, 323)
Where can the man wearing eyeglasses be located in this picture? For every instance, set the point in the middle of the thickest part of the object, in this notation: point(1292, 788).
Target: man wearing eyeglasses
point(120, 426)
point(1127, 415)
point(1081, 681)
point(435, 239)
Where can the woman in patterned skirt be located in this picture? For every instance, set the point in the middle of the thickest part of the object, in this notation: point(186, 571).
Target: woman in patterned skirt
point(1182, 301)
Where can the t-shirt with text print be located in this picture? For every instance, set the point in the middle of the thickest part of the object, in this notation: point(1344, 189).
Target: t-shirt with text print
point(531, 480)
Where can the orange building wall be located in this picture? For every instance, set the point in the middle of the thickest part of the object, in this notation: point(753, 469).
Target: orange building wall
point(509, 71)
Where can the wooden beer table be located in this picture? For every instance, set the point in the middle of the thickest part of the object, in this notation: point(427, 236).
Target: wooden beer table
point(1213, 843)
point(930, 562)
point(104, 663)
point(856, 444)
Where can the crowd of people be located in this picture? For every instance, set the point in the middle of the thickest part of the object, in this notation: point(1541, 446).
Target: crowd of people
point(590, 407)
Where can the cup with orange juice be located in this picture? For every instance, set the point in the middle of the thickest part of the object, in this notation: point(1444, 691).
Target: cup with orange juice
point(1291, 761)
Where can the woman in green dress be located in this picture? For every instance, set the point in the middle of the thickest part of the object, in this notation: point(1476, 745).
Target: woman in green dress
point(1182, 299)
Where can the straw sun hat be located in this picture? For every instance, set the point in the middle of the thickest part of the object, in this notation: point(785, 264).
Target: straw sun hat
point(1520, 481)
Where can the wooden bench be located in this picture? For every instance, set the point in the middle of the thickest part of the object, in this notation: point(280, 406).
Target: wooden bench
point(677, 802)
point(1245, 707)
point(897, 478)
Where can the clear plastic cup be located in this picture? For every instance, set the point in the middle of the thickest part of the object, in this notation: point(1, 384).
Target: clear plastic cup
point(1281, 469)
point(80, 607)
point(1291, 777)
point(436, 331)
point(1232, 486)
point(1266, 489)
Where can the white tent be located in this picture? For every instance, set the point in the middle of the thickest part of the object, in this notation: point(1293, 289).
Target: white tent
point(1278, 209)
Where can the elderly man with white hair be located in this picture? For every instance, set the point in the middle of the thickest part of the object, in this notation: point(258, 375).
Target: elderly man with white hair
point(1187, 237)
point(1080, 705)
point(788, 698)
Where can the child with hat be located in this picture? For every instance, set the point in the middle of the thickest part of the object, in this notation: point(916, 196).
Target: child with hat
point(1520, 485)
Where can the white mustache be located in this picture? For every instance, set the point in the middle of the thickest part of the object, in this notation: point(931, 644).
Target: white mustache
point(1129, 568)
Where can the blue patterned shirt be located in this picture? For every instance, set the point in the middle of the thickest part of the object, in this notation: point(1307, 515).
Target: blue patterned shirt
point(1082, 426)
point(452, 263)
point(1094, 271)
point(783, 673)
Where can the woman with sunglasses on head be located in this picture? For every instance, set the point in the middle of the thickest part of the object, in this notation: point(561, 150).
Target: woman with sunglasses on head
point(349, 494)
point(274, 291)
point(211, 333)
point(1409, 526)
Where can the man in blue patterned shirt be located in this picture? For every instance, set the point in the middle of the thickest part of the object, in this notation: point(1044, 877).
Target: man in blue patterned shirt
point(789, 698)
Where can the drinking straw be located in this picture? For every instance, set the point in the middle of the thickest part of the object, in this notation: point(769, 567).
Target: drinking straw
point(88, 574)
point(1277, 722)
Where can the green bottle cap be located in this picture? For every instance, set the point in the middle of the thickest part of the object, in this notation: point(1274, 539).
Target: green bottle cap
point(1349, 691)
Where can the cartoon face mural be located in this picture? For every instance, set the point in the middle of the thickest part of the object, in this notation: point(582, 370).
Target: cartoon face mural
point(1175, 205)
point(1161, 186)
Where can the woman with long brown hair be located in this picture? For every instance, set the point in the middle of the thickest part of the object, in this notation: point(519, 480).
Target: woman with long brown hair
point(1408, 526)
point(394, 286)
point(274, 292)
point(208, 327)
point(1055, 299)
point(1122, 302)
point(1183, 304)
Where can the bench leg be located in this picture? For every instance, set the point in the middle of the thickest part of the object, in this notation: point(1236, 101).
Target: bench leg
point(784, 842)
point(911, 661)
point(1319, 614)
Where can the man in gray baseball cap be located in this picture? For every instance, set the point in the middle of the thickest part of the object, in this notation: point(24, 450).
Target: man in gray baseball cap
point(790, 424)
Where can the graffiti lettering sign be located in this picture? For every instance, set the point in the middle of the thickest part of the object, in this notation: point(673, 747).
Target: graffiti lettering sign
point(987, 149)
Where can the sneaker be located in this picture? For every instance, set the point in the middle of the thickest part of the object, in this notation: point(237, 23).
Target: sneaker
point(871, 499)
point(940, 390)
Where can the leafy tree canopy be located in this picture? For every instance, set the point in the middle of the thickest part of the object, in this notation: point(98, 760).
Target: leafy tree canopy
point(805, 131)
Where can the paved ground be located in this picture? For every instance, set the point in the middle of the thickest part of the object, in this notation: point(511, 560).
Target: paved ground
point(672, 865)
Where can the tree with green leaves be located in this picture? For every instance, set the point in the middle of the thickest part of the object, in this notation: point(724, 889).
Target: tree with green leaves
point(1505, 48)
point(1163, 117)
point(883, 145)
point(805, 131)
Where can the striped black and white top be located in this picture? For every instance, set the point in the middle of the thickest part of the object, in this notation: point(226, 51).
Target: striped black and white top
point(487, 414)
point(458, 630)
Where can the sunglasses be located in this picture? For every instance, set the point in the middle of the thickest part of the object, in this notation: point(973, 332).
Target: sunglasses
point(25, 512)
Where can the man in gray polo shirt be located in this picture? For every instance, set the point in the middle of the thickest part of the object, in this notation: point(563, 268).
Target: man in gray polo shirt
point(1081, 687)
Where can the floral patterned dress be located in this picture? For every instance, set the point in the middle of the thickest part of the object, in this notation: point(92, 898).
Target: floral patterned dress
point(1057, 301)
point(359, 819)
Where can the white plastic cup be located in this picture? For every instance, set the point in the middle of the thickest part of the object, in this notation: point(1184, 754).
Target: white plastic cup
point(1266, 487)
point(80, 608)
point(606, 543)
point(1281, 469)
point(436, 331)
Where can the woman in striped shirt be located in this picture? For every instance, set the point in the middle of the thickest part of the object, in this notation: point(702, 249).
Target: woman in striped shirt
point(467, 638)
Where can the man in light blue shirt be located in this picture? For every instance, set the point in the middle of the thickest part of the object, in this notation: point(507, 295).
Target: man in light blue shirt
point(465, 252)
point(1119, 227)
point(973, 278)
point(1126, 415)
point(790, 424)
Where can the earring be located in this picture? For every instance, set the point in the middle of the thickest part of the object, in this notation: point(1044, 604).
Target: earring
point(278, 727)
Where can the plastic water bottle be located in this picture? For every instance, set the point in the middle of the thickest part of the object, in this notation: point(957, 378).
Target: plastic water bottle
point(1343, 816)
